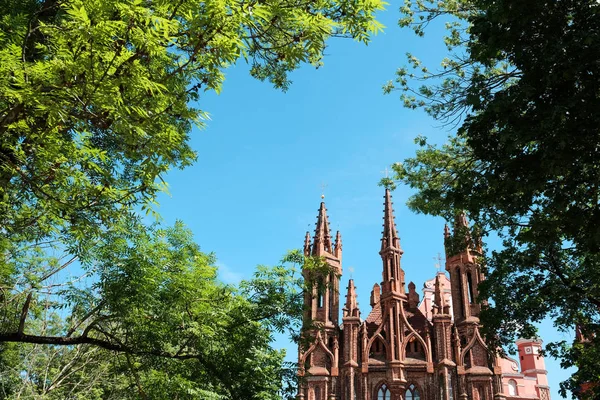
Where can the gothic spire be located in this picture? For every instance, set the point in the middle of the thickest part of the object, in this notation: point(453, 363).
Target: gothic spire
point(390, 235)
point(391, 252)
point(351, 308)
point(322, 238)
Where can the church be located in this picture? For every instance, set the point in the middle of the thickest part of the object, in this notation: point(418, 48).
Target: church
point(408, 348)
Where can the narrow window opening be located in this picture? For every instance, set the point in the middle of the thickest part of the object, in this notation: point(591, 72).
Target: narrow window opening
point(460, 290)
point(470, 284)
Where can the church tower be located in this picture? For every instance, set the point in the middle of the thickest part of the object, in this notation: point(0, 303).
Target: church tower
point(393, 298)
point(350, 371)
point(318, 364)
point(474, 364)
point(406, 348)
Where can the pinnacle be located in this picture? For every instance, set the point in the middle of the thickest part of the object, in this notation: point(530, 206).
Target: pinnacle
point(390, 234)
point(351, 303)
point(322, 238)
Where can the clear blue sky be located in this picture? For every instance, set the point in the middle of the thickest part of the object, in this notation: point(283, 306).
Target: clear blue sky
point(255, 189)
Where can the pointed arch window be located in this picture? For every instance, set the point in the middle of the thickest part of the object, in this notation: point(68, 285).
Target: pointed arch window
point(384, 393)
point(412, 393)
point(414, 349)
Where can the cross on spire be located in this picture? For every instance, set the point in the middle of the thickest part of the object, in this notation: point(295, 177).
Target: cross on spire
point(323, 186)
point(351, 270)
point(438, 262)
point(386, 172)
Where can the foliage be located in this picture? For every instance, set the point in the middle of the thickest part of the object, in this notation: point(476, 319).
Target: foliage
point(97, 101)
point(96, 97)
point(153, 323)
point(521, 84)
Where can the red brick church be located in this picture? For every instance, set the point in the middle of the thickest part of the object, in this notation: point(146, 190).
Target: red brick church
point(407, 348)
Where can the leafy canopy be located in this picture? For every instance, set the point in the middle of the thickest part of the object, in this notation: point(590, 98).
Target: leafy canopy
point(154, 322)
point(521, 85)
point(97, 101)
point(97, 98)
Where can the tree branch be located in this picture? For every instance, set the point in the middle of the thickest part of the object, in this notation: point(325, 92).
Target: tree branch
point(24, 313)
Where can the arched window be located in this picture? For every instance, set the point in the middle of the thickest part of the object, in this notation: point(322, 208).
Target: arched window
point(384, 393)
point(377, 350)
point(412, 393)
point(414, 349)
point(512, 387)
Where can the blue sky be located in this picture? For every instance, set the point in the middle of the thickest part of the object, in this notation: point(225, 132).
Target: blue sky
point(264, 155)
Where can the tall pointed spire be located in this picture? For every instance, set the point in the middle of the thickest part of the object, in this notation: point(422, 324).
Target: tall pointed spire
point(391, 252)
point(351, 308)
point(322, 238)
point(390, 237)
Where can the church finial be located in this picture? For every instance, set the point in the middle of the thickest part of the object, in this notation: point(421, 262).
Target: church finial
point(322, 239)
point(463, 239)
point(446, 231)
point(438, 296)
point(351, 309)
point(338, 245)
point(390, 235)
point(307, 244)
point(460, 221)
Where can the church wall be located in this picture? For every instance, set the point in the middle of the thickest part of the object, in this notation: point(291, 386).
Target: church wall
point(374, 382)
point(416, 344)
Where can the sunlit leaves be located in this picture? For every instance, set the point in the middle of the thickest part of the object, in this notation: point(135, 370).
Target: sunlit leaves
point(521, 85)
point(95, 96)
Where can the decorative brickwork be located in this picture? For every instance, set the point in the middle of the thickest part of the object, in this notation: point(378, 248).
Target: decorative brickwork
point(408, 348)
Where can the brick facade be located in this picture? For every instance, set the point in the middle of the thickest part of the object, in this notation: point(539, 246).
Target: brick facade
point(408, 348)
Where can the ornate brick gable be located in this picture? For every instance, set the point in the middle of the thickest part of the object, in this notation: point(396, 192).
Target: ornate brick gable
point(408, 348)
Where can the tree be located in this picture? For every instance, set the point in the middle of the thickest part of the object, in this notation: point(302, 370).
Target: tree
point(521, 85)
point(96, 97)
point(154, 323)
point(97, 101)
